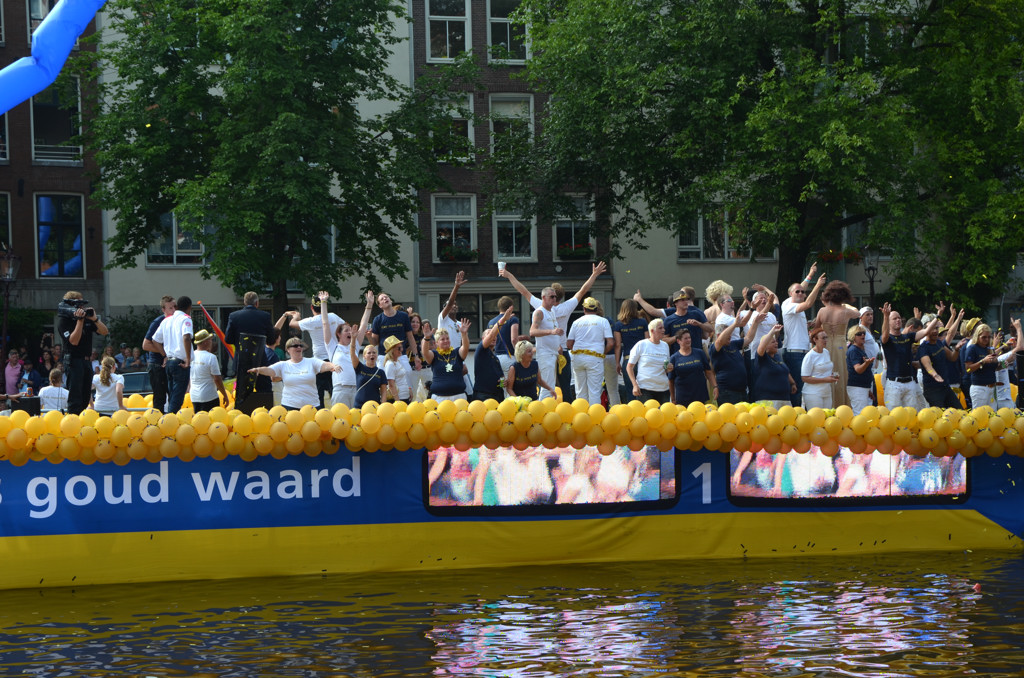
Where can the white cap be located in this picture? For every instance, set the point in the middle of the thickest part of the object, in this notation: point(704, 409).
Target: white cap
point(866, 309)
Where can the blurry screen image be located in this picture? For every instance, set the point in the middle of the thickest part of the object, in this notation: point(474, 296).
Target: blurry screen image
point(538, 476)
point(814, 475)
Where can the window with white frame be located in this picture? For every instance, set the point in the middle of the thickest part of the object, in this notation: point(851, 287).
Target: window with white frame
point(707, 237)
point(59, 227)
point(5, 218)
point(4, 152)
point(511, 115)
point(453, 219)
point(37, 11)
point(506, 39)
point(55, 121)
point(174, 246)
point(3, 36)
point(573, 238)
point(455, 143)
point(514, 236)
point(447, 29)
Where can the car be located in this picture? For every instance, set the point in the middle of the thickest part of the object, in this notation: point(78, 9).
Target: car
point(137, 382)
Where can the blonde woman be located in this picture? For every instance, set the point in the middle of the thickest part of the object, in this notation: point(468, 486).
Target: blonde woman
point(523, 377)
point(396, 371)
point(108, 387)
point(446, 363)
point(713, 293)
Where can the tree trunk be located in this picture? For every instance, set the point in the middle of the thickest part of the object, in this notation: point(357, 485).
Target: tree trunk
point(280, 291)
point(792, 260)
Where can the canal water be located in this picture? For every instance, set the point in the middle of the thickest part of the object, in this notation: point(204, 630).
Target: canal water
point(908, 615)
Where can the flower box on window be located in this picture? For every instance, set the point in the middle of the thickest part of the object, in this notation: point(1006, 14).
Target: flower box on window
point(581, 251)
point(456, 253)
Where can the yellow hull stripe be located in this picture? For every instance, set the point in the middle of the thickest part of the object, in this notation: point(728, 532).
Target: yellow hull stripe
point(74, 560)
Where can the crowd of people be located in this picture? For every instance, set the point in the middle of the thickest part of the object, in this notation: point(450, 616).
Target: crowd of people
point(814, 348)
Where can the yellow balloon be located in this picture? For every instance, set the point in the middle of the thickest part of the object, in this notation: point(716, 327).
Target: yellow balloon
point(775, 424)
point(699, 432)
point(185, 435)
point(789, 435)
point(639, 427)
point(432, 421)
point(446, 409)
point(136, 423)
point(232, 443)
point(218, 433)
point(310, 431)
point(263, 443)
point(279, 432)
point(477, 409)
point(804, 424)
point(324, 419)
point(87, 436)
point(370, 423)
point(655, 418)
point(845, 414)
point(105, 426)
point(242, 424)
point(463, 421)
point(261, 422)
point(17, 438)
point(565, 412)
point(46, 443)
point(550, 423)
point(611, 424)
point(293, 420)
point(169, 424)
point(151, 436)
point(69, 448)
point(582, 423)
point(386, 412)
point(340, 428)
point(35, 427)
point(169, 449)
point(52, 419)
point(416, 411)
point(788, 414)
point(69, 427)
point(969, 426)
point(859, 425)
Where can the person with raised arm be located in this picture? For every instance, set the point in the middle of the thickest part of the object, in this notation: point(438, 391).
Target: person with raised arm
point(774, 382)
point(488, 371)
point(559, 311)
point(796, 342)
point(446, 363)
point(394, 322)
point(727, 357)
point(344, 381)
point(371, 382)
point(446, 319)
point(686, 316)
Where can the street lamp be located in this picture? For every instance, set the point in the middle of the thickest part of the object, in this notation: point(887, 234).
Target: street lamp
point(870, 270)
point(9, 265)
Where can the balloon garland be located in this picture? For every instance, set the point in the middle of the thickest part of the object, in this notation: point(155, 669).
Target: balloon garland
point(516, 422)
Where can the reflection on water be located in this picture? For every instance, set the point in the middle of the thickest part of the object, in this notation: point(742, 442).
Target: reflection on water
point(908, 615)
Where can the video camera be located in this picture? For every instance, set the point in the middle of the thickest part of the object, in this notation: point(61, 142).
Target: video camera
point(67, 307)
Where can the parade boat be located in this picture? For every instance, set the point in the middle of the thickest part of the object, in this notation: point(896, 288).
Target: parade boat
point(211, 497)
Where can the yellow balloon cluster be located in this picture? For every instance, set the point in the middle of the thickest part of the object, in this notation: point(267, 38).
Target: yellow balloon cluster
point(516, 423)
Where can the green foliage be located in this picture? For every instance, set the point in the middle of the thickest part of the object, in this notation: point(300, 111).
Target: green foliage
point(25, 326)
point(244, 119)
point(131, 327)
point(800, 119)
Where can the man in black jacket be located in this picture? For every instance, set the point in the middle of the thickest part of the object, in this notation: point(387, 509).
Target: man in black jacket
point(247, 321)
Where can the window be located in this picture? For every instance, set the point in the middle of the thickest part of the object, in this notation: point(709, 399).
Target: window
point(447, 34)
point(173, 245)
point(54, 123)
point(479, 308)
point(454, 227)
point(4, 153)
point(5, 218)
point(515, 236)
point(37, 11)
point(511, 115)
point(59, 225)
point(572, 232)
point(2, 35)
point(507, 40)
point(455, 143)
point(708, 237)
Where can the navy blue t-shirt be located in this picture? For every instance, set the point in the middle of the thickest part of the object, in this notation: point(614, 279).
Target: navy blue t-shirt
point(503, 344)
point(152, 357)
point(395, 326)
point(772, 378)
point(631, 333)
point(688, 376)
point(487, 372)
point(368, 383)
point(674, 323)
point(856, 356)
point(937, 353)
point(526, 380)
point(983, 375)
point(730, 366)
point(899, 352)
point(447, 374)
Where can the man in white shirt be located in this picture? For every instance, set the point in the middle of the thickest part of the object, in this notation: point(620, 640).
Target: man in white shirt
point(314, 326)
point(561, 312)
point(794, 321)
point(174, 339)
point(589, 341)
point(871, 346)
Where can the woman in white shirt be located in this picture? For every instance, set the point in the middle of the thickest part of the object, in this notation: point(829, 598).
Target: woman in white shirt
point(298, 374)
point(647, 365)
point(54, 396)
point(396, 372)
point(205, 381)
point(343, 381)
point(108, 388)
point(818, 373)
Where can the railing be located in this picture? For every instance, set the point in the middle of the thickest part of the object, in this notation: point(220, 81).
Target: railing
point(61, 153)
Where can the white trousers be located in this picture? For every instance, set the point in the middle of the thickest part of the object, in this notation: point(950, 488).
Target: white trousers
point(983, 395)
point(860, 397)
point(343, 394)
point(506, 361)
point(812, 399)
point(457, 396)
point(547, 368)
point(899, 394)
point(589, 373)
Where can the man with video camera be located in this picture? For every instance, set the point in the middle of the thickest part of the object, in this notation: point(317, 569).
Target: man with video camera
point(76, 324)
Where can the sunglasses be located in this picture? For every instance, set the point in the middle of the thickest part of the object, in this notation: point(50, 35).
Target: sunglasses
point(858, 334)
point(298, 346)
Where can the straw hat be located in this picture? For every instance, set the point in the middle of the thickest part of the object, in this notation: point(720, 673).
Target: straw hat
point(391, 342)
point(201, 336)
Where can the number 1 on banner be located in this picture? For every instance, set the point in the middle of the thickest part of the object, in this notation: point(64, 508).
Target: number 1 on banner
point(704, 473)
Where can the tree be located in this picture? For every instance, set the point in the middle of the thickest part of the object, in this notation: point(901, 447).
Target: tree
point(797, 119)
point(244, 119)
